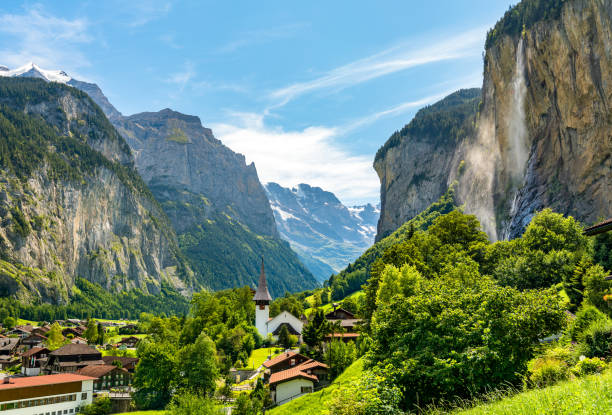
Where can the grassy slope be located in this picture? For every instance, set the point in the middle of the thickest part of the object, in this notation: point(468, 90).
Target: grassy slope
point(258, 356)
point(315, 402)
point(329, 306)
point(590, 395)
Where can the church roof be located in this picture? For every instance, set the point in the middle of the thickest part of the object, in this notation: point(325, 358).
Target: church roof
point(262, 293)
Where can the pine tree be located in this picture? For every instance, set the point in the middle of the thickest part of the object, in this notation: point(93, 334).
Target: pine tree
point(283, 337)
point(91, 334)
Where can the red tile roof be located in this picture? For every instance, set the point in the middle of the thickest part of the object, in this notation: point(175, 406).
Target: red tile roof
point(26, 382)
point(344, 335)
point(97, 371)
point(280, 358)
point(289, 374)
point(309, 364)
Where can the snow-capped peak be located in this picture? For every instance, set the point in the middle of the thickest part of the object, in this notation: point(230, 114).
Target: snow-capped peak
point(35, 71)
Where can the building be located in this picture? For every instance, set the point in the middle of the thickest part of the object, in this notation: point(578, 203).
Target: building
point(72, 357)
point(107, 377)
point(33, 340)
point(41, 395)
point(298, 380)
point(128, 363)
point(74, 331)
point(266, 325)
point(601, 227)
point(34, 360)
point(284, 361)
point(129, 342)
point(21, 331)
point(346, 321)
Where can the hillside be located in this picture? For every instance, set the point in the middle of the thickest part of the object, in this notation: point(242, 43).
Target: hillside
point(540, 136)
point(326, 234)
point(72, 203)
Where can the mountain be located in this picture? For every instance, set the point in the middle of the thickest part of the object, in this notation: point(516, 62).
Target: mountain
point(71, 202)
point(213, 199)
point(537, 137)
point(326, 234)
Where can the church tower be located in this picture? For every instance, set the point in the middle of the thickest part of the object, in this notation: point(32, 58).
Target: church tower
point(262, 300)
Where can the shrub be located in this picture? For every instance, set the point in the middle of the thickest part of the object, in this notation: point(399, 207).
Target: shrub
point(546, 371)
point(589, 366)
point(368, 395)
point(585, 317)
point(191, 404)
point(101, 406)
point(597, 340)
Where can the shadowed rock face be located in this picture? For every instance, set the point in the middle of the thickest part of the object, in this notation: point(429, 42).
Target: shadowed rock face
point(173, 150)
point(542, 135)
point(102, 224)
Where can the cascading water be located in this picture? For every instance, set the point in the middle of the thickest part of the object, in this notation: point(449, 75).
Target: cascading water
point(517, 127)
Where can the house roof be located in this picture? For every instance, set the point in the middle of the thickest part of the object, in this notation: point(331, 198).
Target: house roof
point(33, 351)
point(82, 363)
point(26, 382)
point(35, 336)
point(129, 339)
point(309, 364)
point(289, 374)
point(9, 343)
point(601, 227)
point(74, 349)
point(97, 371)
point(125, 361)
point(262, 293)
point(281, 358)
point(331, 314)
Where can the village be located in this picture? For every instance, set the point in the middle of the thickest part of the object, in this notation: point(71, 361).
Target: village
point(38, 378)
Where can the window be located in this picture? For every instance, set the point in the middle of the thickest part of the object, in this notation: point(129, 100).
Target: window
point(83, 396)
point(306, 389)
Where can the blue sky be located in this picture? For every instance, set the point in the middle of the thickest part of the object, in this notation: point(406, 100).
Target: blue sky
point(307, 90)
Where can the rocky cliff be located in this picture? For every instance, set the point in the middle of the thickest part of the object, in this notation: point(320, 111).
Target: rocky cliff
point(543, 127)
point(72, 204)
point(326, 234)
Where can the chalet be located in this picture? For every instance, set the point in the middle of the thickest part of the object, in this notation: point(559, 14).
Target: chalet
point(8, 346)
point(107, 376)
point(42, 331)
point(74, 331)
point(602, 227)
point(72, 357)
point(284, 361)
point(301, 379)
point(21, 331)
point(78, 340)
point(128, 363)
point(34, 360)
point(129, 342)
point(52, 394)
point(33, 340)
point(266, 325)
point(347, 323)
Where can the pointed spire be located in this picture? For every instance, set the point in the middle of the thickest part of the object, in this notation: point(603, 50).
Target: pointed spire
point(262, 294)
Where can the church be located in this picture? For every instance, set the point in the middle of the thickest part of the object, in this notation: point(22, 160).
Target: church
point(266, 325)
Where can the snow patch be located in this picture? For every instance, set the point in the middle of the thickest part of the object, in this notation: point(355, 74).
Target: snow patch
point(31, 69)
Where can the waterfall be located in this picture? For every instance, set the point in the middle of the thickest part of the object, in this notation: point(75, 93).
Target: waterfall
point(518, 150)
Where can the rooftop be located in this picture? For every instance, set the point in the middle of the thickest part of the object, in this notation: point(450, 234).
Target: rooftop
point(262, 293)
point(74, 349)
point(280, 358)
point(289, 374)
point(601, 227)
point(97, 371)
point(27, 382)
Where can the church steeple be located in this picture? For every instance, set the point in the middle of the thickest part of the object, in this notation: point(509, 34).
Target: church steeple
point(262, 295)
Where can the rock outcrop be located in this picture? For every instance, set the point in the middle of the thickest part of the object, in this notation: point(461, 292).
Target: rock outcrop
point(72, 204)
point(543, 125)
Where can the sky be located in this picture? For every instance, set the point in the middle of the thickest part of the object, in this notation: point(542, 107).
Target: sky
point(308, 91)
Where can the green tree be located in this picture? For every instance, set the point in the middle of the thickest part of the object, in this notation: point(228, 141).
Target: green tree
point(284, 337)
point(189, 403)
point(9, 322)
point(314, 332)
point(101, 334)
point(596, 287)
point(338, 356)
point(574, 286)
point(155, 375)
point(91, 334)
point(198, 366)
point(55, 338)
point(101, 406)
point(368, 395)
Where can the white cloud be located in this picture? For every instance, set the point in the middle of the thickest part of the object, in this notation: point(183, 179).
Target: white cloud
point(183, 76)
point(49, 41)
point(258, 36)
point(395, 59)
point(141, 12)
point(307, 156)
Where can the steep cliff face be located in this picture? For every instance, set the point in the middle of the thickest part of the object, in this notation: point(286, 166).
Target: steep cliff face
point(173, 150)
point(215, 202)
point(326, 234)
point(415, 164)
point(71, 203)
point(563, 121)
point(543, 127)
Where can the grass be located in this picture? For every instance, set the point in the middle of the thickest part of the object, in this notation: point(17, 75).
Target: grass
point(314, 403)
point(144, 413)
point(258, 356)
point(117, 337)
point(590, 395)
point(128, 352)
point(329, 306)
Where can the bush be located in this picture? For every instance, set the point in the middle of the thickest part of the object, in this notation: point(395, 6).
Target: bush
point(585, 317)
point(191, 404)
point(597, 340)
point(368, 395)
point(546, 371)
point(101, 406)
point(589, 366)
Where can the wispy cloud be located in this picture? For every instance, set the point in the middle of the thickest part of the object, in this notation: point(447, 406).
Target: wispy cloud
point(259, 36)
point(169, 39)
point(37, 36)
point(141, 12)
point(391, 60)
point(183, 76)
point(304, 156)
